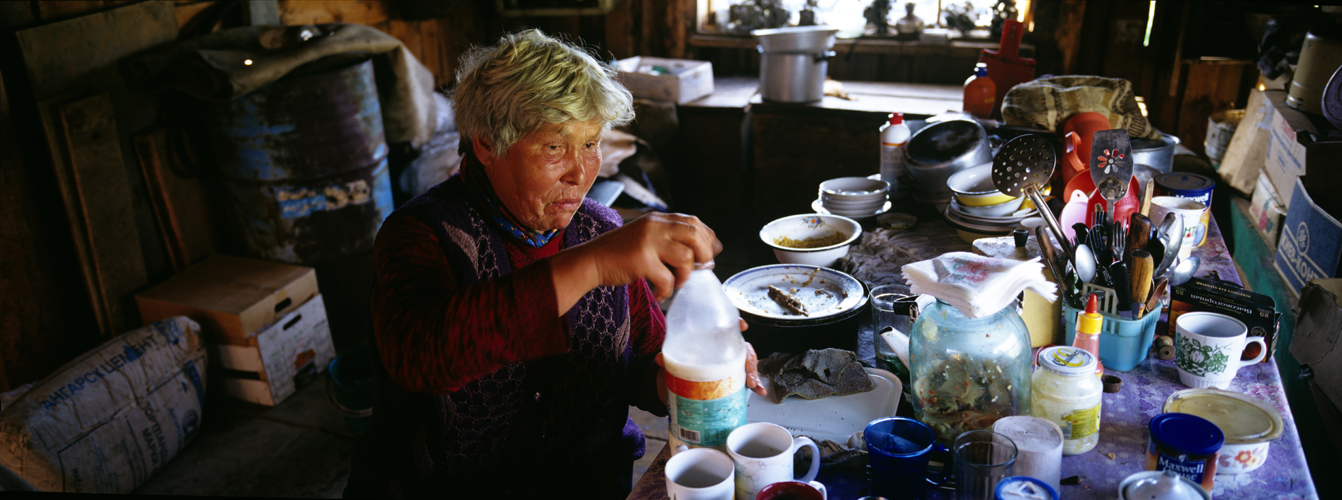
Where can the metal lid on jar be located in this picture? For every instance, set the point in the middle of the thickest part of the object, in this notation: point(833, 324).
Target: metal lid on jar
point(1024, 488)
point(1067, 360)
point(1184, 181)
point(1190, 434)
point(1160, 485)
point(1242, 418)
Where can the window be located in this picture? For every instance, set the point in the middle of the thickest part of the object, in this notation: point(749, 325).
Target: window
point(741, 16)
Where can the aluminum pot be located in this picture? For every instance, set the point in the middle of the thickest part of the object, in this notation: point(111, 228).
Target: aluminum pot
point(1157, 154)
point(794, 62)
point(939, 150)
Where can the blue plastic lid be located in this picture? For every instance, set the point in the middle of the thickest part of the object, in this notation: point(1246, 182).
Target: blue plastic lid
point(1023, 488)
point(1191, 434)
point(981, 71)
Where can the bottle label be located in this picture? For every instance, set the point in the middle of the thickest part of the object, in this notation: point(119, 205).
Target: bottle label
point(1081, 423)
point(704, 413)
point(892, 161)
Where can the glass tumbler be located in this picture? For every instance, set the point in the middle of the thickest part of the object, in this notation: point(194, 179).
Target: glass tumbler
point(892, 306)
point(982, 458)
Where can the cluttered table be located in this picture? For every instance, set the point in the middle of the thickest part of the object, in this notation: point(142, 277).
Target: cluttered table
point(1125, 416)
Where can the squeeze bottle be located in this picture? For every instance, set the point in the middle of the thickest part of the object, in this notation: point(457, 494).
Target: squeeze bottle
point(1087, 337)
point(704, 357)
point(980, 93)
point(894, 135)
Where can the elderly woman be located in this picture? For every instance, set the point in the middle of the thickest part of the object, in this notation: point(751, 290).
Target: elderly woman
point(514, 323)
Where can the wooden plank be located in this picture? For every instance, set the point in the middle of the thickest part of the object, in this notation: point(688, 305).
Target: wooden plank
point(83, 52)
point(299, 12)
point(1212, 85)
point(147, 150)
point(186, 11)
point(49, 10)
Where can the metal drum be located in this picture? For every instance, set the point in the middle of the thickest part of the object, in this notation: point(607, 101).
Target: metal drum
point(304, 164)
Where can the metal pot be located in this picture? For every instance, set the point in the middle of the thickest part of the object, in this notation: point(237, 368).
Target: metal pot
point(1157, 154)
point(941, 149)
point(834, 302)
point(794, 62)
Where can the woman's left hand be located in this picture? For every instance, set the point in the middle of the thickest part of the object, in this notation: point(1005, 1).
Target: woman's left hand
point(753, 367)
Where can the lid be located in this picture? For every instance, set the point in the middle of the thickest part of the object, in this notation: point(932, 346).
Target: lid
point(981, 71)
point(1067, 361)
point(896, 118)
point(1160, 485)
point(826, 294)
point(1242, 418)
point(1024, 488)
point(1183, 181)
point(1090, 321)
point(1189, 434)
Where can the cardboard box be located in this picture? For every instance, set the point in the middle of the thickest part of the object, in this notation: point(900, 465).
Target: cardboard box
point(1317, 331)
point(1243, 161)
point(1297, 148)
point(675, 80)
point(231, 297)
point(263, 322)
point(1258, 312)
point(1266, 210)
point(1311, 240)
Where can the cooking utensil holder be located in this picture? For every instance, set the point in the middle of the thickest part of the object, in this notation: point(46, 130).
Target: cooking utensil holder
point(1123, 343)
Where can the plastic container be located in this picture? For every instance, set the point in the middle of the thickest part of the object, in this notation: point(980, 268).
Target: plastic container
point(894, 135)
point(350, 388)
point(1123, 343)
point(1186, 444)
point(704, 356)
point(1065, 394)
point(980, 93)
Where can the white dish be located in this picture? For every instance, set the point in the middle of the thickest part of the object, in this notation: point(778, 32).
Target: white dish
point(998, 210)
point(824, 292)
point(819, 207)
point(845, 204)
point(958, 222)
point(800, 227)
point(834, 418)
point(855, 188)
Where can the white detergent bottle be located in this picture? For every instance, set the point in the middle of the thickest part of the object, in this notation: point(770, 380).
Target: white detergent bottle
point(704, 356)
point(894, 135)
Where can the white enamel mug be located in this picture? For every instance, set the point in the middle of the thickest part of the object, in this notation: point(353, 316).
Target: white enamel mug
point(1208, 347)
point(700, 474)
point(763, 454)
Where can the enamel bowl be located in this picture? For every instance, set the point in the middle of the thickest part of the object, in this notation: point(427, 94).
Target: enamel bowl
point(801, 227)
point(974, 187)
point(1250, 425)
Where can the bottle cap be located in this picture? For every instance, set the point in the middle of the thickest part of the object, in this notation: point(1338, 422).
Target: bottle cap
point(896, 118)
point(981, 71)
point(1090, 321)
point(1067, 360)
point(1187, 433)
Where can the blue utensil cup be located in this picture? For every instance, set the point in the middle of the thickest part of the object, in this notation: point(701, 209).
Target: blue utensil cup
point(899, 450)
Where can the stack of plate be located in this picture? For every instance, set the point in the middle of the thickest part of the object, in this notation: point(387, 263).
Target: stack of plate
point(979, 208)
point(855, 197)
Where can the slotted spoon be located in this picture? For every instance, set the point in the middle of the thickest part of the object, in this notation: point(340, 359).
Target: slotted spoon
point(1021, 167)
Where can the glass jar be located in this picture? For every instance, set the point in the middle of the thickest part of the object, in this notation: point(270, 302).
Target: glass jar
point(968, 372)
point(1066, 392)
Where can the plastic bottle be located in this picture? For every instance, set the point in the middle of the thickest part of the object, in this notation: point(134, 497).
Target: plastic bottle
point(894, 135)
point(980, 93)
point(704, 356)
point(1087, 337)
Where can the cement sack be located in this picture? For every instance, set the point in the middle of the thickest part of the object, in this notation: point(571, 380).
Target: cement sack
point(110, 419)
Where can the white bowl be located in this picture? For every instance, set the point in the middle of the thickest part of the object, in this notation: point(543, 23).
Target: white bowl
point(801, 227)
point(867, 206)
point(998, 210)
point(855, 188)
point(974, 186)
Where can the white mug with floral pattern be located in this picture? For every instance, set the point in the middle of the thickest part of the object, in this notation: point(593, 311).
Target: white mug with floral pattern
point(1208, 347)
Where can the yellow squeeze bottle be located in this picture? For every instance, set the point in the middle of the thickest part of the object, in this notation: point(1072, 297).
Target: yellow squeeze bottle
point(1087, 336)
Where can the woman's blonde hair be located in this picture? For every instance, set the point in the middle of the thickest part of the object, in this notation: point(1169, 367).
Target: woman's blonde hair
point(528, 79)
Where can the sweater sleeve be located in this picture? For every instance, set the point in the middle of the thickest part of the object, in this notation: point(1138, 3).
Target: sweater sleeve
point(435, 334)
point(647, 328)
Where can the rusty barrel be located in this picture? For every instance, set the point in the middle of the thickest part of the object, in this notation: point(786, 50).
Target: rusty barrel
point(303, 163)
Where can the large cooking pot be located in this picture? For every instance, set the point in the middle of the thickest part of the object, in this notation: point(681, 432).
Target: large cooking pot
point(1157, 154)
point(794, 62)
point(941, 149)
point(834, 302)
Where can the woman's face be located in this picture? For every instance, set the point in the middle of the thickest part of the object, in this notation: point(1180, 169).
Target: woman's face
point(546, 174)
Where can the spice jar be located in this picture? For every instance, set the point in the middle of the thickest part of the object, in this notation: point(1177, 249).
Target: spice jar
point(1066, 392)
point(1186, 444)
point(968, 372)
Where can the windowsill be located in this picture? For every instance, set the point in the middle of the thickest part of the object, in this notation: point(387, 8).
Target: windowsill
point(861, 45)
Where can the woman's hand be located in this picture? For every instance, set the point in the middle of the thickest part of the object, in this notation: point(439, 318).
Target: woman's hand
point(658, 247)
point(753, 368)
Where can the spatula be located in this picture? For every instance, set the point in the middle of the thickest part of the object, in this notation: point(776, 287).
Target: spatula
point(1021, 167)
point(1111, 165)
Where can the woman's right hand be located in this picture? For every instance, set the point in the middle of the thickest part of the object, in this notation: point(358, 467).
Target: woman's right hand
point(659, 247)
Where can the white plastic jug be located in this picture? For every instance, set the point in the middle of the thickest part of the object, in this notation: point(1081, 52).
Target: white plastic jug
point(704, 356)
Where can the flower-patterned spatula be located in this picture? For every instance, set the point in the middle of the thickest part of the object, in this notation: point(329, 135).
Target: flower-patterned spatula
point(1111, 166)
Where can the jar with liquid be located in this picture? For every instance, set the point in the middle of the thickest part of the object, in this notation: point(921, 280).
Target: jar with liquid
point(1067, 392)
point(968, 372)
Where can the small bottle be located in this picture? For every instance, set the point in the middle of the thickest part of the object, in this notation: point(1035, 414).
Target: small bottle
point(705, 357)
point(980, 93)
point(1088, 325)
point(894, 135)
point(1065, 395)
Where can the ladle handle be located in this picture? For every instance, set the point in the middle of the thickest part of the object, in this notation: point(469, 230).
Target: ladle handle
point(1032, 191)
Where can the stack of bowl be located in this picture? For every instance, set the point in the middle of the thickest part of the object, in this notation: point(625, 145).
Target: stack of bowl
point(855, 197)
point(979, 209)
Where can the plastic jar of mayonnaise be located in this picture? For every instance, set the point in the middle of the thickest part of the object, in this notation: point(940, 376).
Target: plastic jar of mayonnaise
point(1186, 444)
point(1067, 392)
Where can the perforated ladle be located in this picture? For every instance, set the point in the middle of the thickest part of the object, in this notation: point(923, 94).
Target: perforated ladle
point(1021, 167)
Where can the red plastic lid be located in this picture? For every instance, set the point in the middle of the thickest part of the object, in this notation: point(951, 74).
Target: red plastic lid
point(896, 118)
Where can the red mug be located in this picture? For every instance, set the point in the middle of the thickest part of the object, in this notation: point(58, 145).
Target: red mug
point(793, 490)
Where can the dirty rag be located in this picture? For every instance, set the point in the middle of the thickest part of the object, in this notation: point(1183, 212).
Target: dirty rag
point(976, 285)
point(1047, 103)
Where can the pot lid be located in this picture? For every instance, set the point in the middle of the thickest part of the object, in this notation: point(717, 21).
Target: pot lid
point(1244, 419)
point(823, 292)
point(1160, 485)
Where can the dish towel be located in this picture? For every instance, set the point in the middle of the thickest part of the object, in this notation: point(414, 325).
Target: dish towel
point(976, 285)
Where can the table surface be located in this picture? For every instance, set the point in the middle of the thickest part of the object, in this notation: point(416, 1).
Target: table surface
point(1123, 421)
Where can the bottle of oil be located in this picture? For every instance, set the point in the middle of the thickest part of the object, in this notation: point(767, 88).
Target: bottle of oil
point(704, 356)
point(980, 93)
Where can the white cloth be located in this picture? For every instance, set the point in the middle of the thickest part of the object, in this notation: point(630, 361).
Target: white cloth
point(978, 285)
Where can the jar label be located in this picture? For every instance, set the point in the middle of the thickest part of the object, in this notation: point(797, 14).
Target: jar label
point(1195, 470)
point(706, 422)
point(1081, 423)
point(892, 160)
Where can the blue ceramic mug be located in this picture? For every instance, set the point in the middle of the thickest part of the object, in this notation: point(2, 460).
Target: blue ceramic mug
point(899, 449)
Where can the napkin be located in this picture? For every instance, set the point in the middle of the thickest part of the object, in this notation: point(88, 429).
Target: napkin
point(976, 285)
